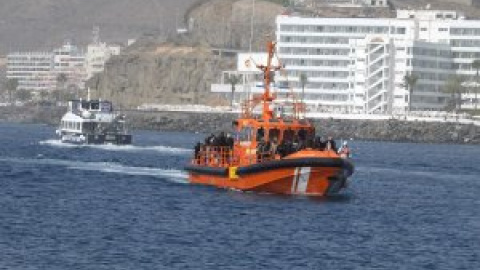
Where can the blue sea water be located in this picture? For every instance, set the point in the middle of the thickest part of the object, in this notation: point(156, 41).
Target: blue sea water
point(408, 206)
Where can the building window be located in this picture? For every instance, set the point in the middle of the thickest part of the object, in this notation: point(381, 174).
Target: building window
point(401, 30)
point(423, 29)
point(442, 29)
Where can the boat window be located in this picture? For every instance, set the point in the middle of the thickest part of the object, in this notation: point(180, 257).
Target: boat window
point(288, 135)
point(260, 134)
point(85, 106)
point(302, 134)
point(106, 106)
point(244, 134)
point(274, 133)
point(77, 126)
point(95, 106)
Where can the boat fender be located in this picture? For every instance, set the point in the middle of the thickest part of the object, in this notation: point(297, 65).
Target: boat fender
point(232, 173)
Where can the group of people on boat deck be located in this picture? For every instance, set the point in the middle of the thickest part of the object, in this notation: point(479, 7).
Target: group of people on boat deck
point(271, 148)
point(287, 147)
point(220, 140)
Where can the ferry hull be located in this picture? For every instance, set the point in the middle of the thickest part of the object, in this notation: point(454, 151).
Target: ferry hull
point(281, 177)
point(118, 139)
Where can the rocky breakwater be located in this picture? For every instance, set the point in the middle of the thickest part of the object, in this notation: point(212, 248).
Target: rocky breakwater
point(208, 122)
point(182, 121)
point(374, 130)
point(399, 131)
point(50, 115)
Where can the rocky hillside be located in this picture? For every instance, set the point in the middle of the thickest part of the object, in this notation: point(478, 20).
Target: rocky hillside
point(227, 23)
point(175, 72)
point(41, 24)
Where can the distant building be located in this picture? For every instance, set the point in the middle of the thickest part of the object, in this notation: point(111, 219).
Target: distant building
point(33, 70)
point(70, 60)
point(97, 55)
point(38, 71)
point(359, 64)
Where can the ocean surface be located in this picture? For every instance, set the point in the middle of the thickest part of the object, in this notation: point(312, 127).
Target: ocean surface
point(408, 206)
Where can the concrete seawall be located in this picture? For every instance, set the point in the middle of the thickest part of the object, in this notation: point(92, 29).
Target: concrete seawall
point(384, 130)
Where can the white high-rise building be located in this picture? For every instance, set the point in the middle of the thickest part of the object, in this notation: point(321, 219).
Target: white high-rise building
point(359, 64)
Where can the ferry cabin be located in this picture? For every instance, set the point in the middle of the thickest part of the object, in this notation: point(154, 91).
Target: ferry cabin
point(78, 126)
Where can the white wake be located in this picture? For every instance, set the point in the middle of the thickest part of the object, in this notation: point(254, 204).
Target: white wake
point(126, 148)
point(173, 175)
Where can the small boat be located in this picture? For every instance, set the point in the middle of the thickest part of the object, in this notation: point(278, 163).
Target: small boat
point(93, 122)
point(271, 151)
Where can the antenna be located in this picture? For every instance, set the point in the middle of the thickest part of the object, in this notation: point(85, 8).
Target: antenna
point(251, 26)
point(96, 35)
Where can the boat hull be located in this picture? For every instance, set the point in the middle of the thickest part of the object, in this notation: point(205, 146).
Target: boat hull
point(302, 176)
point(118, 139)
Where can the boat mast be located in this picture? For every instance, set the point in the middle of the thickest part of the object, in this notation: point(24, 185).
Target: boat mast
point(267, 97)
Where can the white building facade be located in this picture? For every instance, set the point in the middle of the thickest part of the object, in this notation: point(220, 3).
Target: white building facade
point(70, 60)
point(32, 70)
point(359, 64)
point(39, 71)
point(97, 55)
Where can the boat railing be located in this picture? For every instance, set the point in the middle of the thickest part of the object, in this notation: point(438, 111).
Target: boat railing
point(225, 156)
point(215, 156)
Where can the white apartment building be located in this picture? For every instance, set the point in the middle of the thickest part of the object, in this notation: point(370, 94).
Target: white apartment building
point(97, 55)
point(31, 69)
point(38, 71)
point(359, 64)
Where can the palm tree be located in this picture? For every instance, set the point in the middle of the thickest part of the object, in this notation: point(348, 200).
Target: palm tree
point(24, 95)
point(233, 80)
point(303, 79)
point(11, 85)
point(454, 87)
point(61, 82)
point(43, 96)
point(409, 82)
point(476, 66)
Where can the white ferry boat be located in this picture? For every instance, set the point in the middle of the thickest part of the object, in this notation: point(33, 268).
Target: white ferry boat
point(93, 122)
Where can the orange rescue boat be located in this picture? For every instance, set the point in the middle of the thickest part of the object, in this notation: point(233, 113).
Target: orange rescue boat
point(271, 153)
